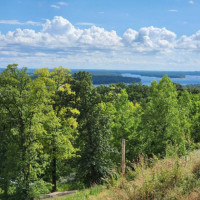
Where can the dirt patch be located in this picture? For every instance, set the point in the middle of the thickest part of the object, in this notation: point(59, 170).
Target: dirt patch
point(56, 194)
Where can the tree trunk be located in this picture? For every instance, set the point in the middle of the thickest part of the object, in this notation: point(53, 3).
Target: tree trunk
point(123, 165)
point(54, 176)
point(6, 190)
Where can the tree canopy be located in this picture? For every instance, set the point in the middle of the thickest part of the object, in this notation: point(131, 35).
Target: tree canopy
point(57, 127)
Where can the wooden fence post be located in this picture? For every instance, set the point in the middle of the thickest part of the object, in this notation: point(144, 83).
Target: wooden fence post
point(123, 157)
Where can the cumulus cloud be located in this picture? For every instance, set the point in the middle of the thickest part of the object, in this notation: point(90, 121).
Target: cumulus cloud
point(149, 38)
point(99, 38)
point(85, 24)
point(60, 41)
point(189, 42)
point(61, 34)
point(58, 26)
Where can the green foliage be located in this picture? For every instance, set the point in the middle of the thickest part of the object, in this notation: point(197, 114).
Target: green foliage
point(94, 132)
point(61, 122)
point(23, 107)
point(86, 194)
point(138, 93)
point(195, 117)
point(161, 121)
point(113, 179)
point(125, 120)
point(58, 128)
point(33, 126)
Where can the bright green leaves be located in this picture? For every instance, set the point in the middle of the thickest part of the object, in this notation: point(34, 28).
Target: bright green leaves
point(125, 120)
point(161, 121)
point(62, 122)
point(23, 103)
point(53, 124)
point(39, 122)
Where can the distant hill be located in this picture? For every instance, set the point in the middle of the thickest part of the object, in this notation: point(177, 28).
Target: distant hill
point(115, 76)
point(104, 79)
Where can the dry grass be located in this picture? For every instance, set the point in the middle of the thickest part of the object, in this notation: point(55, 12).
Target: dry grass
point(168, 179)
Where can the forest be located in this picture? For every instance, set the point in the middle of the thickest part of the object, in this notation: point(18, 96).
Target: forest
point(105, 79)
point(58, 128)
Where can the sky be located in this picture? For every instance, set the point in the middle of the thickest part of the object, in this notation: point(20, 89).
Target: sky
point(101, 34)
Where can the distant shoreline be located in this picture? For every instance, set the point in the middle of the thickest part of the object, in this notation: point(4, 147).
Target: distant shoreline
point(130, 76)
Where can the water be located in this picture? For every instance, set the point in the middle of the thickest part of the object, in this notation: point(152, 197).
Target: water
point(146, 80)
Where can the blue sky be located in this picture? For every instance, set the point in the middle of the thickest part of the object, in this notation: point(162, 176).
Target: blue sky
point(101, 34)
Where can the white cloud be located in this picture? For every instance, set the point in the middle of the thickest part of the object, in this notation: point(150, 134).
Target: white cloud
point(129, 36)
point(60, 33)
point(85, 24)
point(96, 37)
point(55, 6)
point(59, 41)
point(189, 42)
point(191, 2)
point(62, 3)
point(59, 4)
point(173, 10)
point(58, 26)
point(16, 22)
point(149, 39)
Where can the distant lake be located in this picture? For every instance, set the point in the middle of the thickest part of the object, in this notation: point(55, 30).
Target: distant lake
point(146, 80)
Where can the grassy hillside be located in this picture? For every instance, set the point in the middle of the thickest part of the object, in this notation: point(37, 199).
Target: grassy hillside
point(167, 179)
point(171, 178)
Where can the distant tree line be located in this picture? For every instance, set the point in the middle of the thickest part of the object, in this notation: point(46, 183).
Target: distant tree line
point(58, 127)
point(105, 79)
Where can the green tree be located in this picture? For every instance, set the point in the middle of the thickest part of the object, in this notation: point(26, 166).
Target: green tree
point(5, 164)
point(95, 148)
point(94, 131)
point(125, 121)
point(23, 105)
point(195, 118)
point(161, 122)
point(61, 125)
point(185, 115)
point(138, 93)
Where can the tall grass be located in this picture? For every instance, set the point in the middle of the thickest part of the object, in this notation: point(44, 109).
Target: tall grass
point(87, 193)
point(171, 178)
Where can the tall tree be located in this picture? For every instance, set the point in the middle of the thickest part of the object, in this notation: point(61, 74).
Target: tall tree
point(195, 118)
point(61, 124)
point(23, 105)
point(125, 121)
point(94, 131)
point(185, 115)
point(161, 122)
